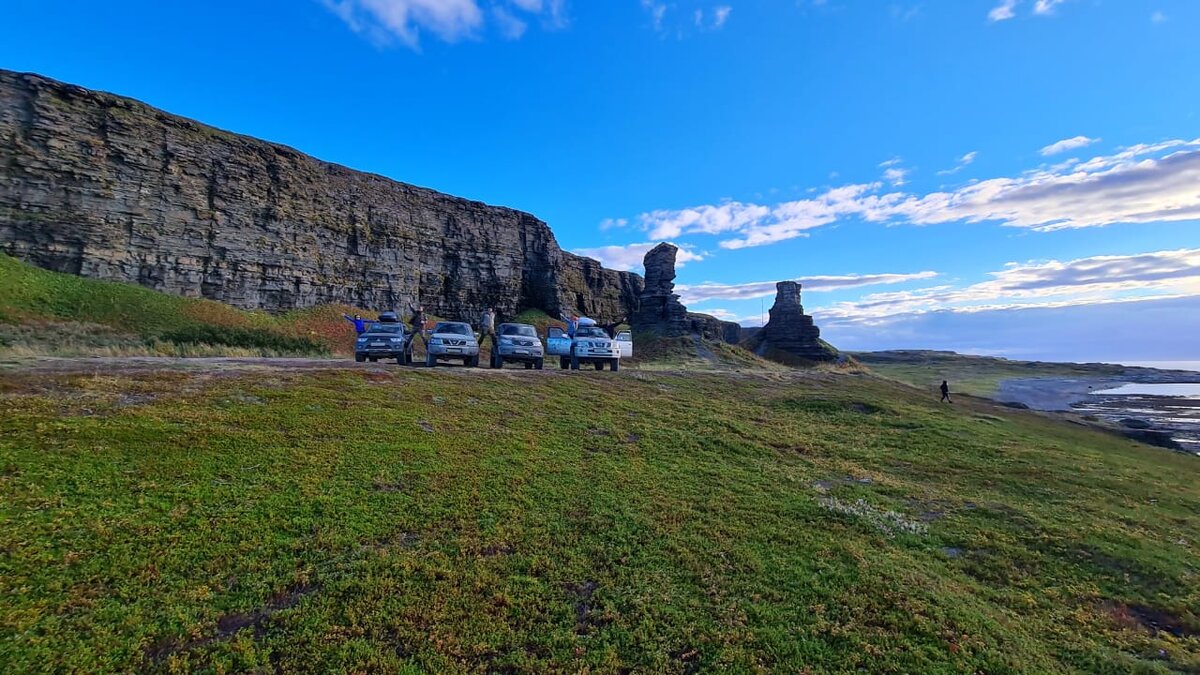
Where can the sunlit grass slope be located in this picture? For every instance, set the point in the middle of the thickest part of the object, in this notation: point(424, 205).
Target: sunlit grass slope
point(380, 520)
point(44, 312)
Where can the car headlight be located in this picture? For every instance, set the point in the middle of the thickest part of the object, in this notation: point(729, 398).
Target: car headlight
point(506, 341)
point(397, 339)
point(361, 341)
point(435, 341)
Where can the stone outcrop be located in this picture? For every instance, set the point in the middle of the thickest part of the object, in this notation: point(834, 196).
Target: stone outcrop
point(790, 333)
point(107, 187)
point(659, 310)
point(660, 313)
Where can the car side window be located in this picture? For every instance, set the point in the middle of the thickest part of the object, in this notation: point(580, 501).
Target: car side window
point(554, 332)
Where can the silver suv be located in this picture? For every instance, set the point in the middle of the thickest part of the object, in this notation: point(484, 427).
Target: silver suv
point(452, 340)
point(517, 342)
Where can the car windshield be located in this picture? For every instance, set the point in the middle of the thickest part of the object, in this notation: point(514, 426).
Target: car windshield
point(386, 328)
point(453, 329)
point(590, 332)
point(525, 331)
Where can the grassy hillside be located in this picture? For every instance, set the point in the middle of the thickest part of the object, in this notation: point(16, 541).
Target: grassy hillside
point(43, 312)
point(400, 520)
point(977, 375)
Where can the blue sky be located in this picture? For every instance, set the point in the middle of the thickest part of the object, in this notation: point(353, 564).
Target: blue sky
point(936, 173)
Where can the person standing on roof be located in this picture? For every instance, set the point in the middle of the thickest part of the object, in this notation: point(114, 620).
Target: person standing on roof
point(360, 324)
point(611, 328)
point(487, 327)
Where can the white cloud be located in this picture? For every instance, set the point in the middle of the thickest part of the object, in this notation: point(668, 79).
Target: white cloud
point(629, 257)
point(1046, 6)
point(1004, 11)
point(610, 223)
point(702, 19)
point(696, 293)
point(1068, 144)
point(1141, 184)
point(895, 175)
point(386, 21)
point(963, 161)
point(658, 12)
point(1098, 279)
point(721, 15)
point(1158, 17)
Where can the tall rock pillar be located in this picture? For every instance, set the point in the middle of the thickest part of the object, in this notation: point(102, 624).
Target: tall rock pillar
point(659, 310)
point(791, 332)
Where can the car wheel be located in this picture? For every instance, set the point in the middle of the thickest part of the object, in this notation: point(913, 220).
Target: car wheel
point(430, 360)
point(537, 365)
point(599, 365)
point(359, 358)
point(528, 365)
point(615, 365)
point(497, 362)
point(471, 361)
point(563, 363)
point(400, 360)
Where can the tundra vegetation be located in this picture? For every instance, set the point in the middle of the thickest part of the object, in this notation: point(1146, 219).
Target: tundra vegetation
point(665, 519)
point(393, 519)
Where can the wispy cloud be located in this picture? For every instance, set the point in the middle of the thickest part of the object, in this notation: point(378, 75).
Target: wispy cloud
point(1046, 6)
point(962, 162)
point(1146, 183)
point(1004, 11)
point(629, 256)
point(697, 293)
point(667, 17)
point(388, 21)
point(1053, 283)
point(1068, 144)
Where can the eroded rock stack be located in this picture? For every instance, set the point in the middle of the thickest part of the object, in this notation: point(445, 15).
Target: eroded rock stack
point(789, 331)
point(108, 187)
point(660, 313)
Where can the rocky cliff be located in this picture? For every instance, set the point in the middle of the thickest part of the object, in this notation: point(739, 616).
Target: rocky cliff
point(107, 187)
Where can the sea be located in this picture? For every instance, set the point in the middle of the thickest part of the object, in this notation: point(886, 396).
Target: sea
point(1169, 406)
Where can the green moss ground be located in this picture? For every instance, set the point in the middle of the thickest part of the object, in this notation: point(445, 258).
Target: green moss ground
point(451, 521)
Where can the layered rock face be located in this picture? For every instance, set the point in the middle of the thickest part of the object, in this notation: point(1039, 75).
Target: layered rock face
point(789, 330)
point(659, 310)
point(108, 187)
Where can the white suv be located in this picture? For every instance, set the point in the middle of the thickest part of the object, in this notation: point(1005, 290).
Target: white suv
point(590, 345)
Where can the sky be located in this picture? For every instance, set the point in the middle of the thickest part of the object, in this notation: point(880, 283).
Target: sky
point(1009, 177)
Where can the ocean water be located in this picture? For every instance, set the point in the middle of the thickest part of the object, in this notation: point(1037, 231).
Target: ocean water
point(1170, 389)
point(1170, 407)
point(1166, 365)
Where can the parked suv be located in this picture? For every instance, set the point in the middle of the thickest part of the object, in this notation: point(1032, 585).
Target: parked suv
point(590, 345)
point(452, 340)
point(384, 341)
point(517, 342)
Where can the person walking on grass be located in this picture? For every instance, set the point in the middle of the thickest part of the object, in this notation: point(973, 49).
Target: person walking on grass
point(360, 324)
point(417, 321)
point(945, 392)
point(487, 327)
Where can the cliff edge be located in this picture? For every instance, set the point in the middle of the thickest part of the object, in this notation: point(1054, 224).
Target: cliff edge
point(107, 187)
